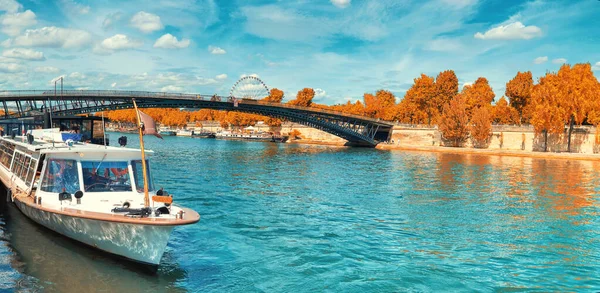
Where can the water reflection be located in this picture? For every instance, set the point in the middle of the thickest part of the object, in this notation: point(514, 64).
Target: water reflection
point(50, 262)
point(564, 188)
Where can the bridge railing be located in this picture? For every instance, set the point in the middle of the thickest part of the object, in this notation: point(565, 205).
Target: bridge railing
point(97, 93)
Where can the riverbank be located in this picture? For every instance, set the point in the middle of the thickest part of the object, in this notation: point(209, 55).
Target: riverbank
point(491, 152)
point(515, 141)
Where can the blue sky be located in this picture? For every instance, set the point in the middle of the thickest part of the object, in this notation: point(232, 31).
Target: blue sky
point(342, 48)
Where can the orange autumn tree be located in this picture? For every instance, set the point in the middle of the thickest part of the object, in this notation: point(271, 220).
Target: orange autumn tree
point(418, 107)
point(275, 96)
point(380, 105)
point(518, 90)
point(546, 114)
point(502, 113)
point(303, 98)
point(478, 95)
point(578, 94)
point(454, 122)
point(446, 88)
point(349, 108)
point(481, 127)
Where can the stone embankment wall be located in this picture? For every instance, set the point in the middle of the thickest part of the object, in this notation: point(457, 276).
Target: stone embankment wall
point(503, 138)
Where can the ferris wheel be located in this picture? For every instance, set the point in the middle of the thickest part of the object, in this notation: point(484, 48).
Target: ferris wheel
point(249, 87)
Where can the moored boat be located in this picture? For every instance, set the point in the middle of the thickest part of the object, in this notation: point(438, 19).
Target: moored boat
point(257, 136)
point(91, 193)
point(184, 132)
point(204, 134)
point(166, 131)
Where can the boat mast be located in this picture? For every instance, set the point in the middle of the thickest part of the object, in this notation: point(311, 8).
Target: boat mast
point(139, 124)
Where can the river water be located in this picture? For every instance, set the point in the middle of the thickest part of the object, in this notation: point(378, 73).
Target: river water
point(303, 218)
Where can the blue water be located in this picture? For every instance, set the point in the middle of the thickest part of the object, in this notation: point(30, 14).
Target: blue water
point(303, 218)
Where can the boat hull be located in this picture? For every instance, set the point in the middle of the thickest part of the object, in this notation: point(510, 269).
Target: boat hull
point(141, 243)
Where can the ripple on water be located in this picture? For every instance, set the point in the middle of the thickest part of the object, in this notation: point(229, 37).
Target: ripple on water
point(279, 217)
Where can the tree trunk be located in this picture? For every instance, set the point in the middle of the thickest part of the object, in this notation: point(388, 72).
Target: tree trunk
point(570, 131)
point(545, 140)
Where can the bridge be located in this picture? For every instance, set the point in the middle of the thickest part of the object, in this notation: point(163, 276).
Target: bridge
point(357, 130)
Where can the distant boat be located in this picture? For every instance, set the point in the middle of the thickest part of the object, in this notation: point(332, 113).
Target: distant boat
point(204, 134)
point(184, 132)
point(260, 136)
point(166, 131)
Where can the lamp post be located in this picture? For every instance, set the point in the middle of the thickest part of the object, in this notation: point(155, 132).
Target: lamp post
point(50, 102)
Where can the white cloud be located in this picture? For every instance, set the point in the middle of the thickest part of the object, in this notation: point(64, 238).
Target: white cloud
point(11, 67)
point(51, 36)
point(511, 31)
point(559, 61)
point(320, 93)
point(77, 75)
point(111, 19)
point(171, 88)
point(540, 60)
point(114, 84)
point(216, 50)
point(25, 54)
point(168, 41)
point(146, 22)
point(13, 24)
point(46, 69)
point(10, 6)
point(596, 66)
point(341, 3)
point(120, 42)
point(221, 76)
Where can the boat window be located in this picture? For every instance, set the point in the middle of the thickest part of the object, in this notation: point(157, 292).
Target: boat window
point(24, 167)
point(61, 175)
point(101, 176)
point(138, 176)
point(6, 153)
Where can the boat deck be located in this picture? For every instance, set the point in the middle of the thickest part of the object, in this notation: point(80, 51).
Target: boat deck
point(190, 216)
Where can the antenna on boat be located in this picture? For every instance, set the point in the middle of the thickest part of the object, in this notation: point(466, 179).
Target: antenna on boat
point(103, 130)
point(141, 131)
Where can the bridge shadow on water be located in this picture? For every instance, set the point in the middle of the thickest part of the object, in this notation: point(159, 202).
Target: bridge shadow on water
point(49, 262)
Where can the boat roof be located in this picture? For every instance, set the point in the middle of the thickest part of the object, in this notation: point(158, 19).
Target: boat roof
point(61, 147)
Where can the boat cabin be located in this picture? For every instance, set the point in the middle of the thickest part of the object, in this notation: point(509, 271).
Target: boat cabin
point(77, 175)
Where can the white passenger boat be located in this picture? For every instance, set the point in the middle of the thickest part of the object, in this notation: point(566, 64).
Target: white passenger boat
point(166, 131)
point(91, 193)
point(184, 132)
point(255, 136)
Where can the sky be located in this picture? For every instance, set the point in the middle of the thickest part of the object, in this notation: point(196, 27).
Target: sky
point(341, 48)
